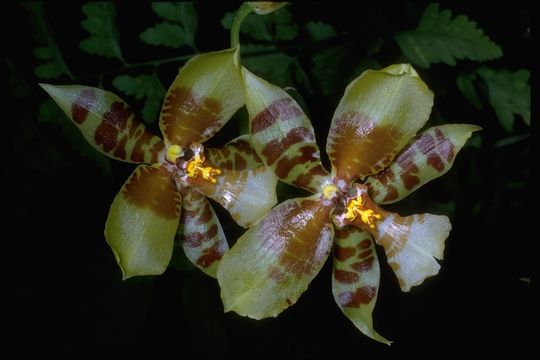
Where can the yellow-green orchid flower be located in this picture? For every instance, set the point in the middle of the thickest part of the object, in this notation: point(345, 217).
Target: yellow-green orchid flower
point(166, 195)
point(375, 159)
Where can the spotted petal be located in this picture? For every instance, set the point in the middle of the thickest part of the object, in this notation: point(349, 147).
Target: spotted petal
point(238, 154)
point(107, 123)
point(282, 134)
point(355, 280)
point(200, 232)
point(377, 116)
point(427, 158)
point(142, 221)
point(412, 243)
point(205, 94)
point(272, 264)
point(247, 194)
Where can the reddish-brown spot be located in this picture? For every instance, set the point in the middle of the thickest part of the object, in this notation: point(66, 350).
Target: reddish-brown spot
point(153, 188)
point(156, 149)
point(305, 179)
point(391, 193)
point(364, 265)
point(364, 244)
point(120, 151)
point(341, 233)
point(285, 164)
point(343, 253)
point(277, 147)
point(114, 121)
point(364, 254)
point(137, 154)
point(206, 213)
point(283, 109)
point(446, 148)
point(361, 147)
point(361, 296)
point(239, 162)
point(210, 256)
point(81, 106)
point(409, 169)
point(435, 161)
point(385, 176)
point(195, 239)
point(345, 277)
point(186, 117)
point(425, 143)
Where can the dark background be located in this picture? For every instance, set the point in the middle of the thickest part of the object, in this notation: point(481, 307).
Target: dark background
point(65, 293)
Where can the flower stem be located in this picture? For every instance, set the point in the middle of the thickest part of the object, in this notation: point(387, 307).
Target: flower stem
point(239, 17)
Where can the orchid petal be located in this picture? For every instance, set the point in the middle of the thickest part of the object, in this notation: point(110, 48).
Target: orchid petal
point(412, 243)
point(107, 123)
point(204, 96)
point(282, 134)
point(272, 264)
point(377, 116)
point(142, 221)
point(355, 280)
point(427, 158)
point(247, 194)
point(200, 232)
point(238, 154)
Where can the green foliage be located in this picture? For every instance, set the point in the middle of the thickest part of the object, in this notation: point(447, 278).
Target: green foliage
point(279, 71)
point(320, 31)
point(144, 86)
point(509, 94)
point(53, 65)
point(177, 30)
point(465, 83)
point(50, 113)
point(274, 26)
point(441, 38)
point(100, 23)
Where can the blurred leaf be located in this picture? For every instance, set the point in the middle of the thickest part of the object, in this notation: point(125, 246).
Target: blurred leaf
point(465, 83)
point(508, 93)
point(275, 26)
point(143, 86)
point(50, 113)
point(320, 31)
point(273, 67)
point(165, 34)
point(325, 66)
point(182, 32)
point(100, 23)
point(54, 64)
point(439, 38)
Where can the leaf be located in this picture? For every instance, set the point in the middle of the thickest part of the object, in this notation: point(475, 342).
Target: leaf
point(143, 86)
point(50, 113)
point(274, 26)
point(325, 65)
point(100, 23)
point(508, 93)
point(275, 67)
point(465, 83)
point(165, 34)
point(53, 65)
point(439, 38)
point(175, 35)
point(320, 31)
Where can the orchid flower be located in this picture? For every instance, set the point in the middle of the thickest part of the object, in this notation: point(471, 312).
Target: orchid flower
point(166, 194)
point(375, 159)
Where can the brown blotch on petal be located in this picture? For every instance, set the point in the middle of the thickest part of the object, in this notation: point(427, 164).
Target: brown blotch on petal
point(343, 253)
point(363, 266)
point(82, 105)
point(153, 188)
point(345, 277)
point(210, 256)
point(361, 296)
point(275, 148)
point(391, 193)
point(239, 162)
point(114, 121)
point(282, 109)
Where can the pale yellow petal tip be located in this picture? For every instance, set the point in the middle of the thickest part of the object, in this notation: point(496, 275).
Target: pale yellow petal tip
point(401, 69)
point(265, 7)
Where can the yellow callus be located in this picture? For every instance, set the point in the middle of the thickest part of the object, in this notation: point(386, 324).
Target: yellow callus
point(194, 168)
point(174, 152)
point(356, 208)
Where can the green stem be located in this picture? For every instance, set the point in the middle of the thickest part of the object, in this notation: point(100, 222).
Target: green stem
point(239, 17)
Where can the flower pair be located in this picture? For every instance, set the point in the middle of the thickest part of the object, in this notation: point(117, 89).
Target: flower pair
point(165, 196)
point(375, 159)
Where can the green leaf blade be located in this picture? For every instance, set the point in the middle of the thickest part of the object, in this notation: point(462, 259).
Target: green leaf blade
point(165, 34)
point(99, 22)
point(441, 39)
